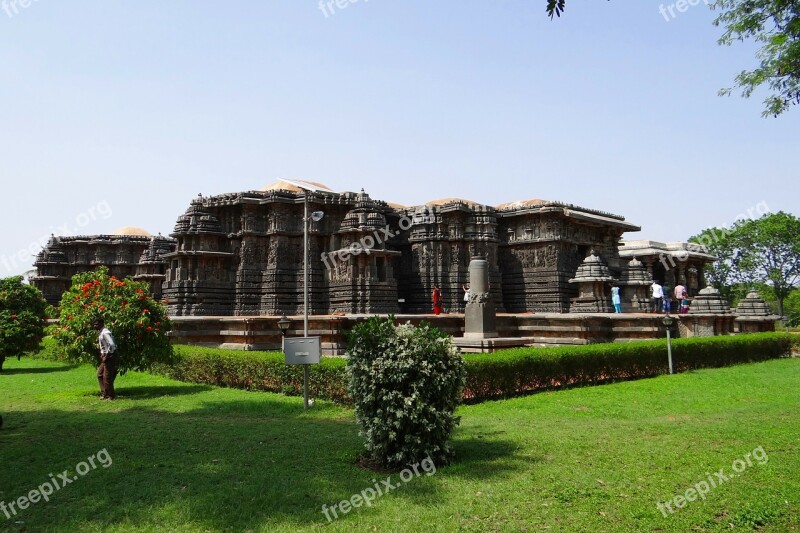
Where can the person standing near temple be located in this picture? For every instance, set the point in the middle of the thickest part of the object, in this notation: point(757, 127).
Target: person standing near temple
point(466, 293)
point(679, 293)
point(615, 299)
point(437, 300)
point(656, 297)
point(109, 364)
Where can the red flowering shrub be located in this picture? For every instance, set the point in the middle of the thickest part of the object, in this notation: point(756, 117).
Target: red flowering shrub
point(22, 315)
point(138, 323)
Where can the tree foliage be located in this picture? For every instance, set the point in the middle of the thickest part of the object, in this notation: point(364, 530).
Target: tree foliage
point(139, 324)
point(555, 7)
point(720, 274)
point(22, 318)
point(775, 24)
point(755, 252)
point(768, 251)
point(791, 307)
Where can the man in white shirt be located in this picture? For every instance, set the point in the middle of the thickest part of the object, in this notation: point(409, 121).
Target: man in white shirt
point(109, 365)
point(656, 297)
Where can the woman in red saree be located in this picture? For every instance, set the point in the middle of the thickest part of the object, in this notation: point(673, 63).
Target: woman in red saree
point(437, 300)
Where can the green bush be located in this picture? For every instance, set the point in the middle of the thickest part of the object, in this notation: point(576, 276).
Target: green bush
point(406, 382)
point(22, 316)
point(525, 370)
point(138, 323)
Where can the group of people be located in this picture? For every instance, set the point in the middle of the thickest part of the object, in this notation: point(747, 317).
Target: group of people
point(662, 300)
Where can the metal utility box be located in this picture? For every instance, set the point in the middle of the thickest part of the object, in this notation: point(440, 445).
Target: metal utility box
point(302, 350)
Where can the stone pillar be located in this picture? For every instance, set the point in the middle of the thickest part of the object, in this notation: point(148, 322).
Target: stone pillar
point(479, 316)
point(682, 273)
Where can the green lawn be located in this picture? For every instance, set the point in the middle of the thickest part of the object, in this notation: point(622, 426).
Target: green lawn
point(197, 458)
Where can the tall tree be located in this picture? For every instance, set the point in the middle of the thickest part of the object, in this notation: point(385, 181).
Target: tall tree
point(755, 252)
point(768, 251)
point(22, 318)
point(721, 273)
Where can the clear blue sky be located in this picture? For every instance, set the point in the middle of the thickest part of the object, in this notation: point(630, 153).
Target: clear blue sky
point(119, 113)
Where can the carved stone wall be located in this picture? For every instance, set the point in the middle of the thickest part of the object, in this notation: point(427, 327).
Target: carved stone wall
point(436, 251)
point(541, 246)
point(139, 256)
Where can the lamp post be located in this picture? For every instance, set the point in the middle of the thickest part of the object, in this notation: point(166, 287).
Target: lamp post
point(668, 322)
point(316, 216)
point(304, 350)
point(283, 326)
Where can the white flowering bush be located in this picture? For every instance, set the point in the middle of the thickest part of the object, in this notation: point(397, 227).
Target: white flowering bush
point(406, 382)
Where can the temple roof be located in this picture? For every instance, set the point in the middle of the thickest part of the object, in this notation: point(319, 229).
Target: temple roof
point(295, 186)
point(685, 250)
point(132, 230)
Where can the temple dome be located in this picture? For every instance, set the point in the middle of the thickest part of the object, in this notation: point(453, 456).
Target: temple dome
point(132, 230)
point(522, 203)
point(292, 185)
point(444, 201)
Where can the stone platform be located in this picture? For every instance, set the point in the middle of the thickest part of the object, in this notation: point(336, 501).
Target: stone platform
point(527, 329)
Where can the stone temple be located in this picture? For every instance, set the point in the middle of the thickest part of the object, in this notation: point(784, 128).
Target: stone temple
point(233, 265)
point(128, 251)
point(241, 254)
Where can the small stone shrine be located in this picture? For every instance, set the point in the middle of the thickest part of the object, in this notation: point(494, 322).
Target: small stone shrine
point(635, 282)
point(754, 315)
point(709, 301)
point(593, 279)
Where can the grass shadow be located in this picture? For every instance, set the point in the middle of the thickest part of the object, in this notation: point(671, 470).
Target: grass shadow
point(143, 393)
point(230, 465)
point(46, 370)
point(486, 454)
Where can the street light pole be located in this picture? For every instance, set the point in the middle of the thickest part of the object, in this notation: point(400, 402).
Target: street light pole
point(305, 292)
point(668, 321)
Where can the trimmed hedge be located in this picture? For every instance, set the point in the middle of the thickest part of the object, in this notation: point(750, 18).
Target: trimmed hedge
point(525, 370)
point(502, 374)
point(258, 371)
